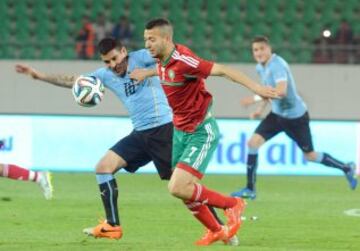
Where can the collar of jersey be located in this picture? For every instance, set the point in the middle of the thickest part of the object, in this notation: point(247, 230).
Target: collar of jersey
point(263, 66)
point(166, 61)
point(270, 59)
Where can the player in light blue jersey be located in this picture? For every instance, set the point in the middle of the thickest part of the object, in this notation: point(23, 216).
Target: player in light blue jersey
point(146, 102)
point(288, 114)
point(151, 139)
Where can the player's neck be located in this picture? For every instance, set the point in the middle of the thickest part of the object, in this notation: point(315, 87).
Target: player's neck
point(168, 52)
point(267, 60)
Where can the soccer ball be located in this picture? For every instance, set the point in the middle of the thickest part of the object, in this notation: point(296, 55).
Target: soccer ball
point(88, 91)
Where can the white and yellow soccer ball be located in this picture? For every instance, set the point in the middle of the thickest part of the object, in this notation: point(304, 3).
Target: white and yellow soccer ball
point(88, 91)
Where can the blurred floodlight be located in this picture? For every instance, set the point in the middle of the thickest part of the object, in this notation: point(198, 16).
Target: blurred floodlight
point(326, 33)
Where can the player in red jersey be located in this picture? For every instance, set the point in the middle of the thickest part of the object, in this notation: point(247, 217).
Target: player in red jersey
point(19, 173)
point(196, 133)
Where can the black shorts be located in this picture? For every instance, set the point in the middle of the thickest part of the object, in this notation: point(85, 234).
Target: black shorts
point(141, 147)
point(297, 129)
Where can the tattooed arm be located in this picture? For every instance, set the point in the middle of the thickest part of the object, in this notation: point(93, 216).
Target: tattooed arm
point(66, 81)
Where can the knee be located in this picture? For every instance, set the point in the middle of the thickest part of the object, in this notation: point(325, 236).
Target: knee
point(178, 190)
point(104, 167)
point(110, 163)
point(255, 141)
point(252, 144)
point(174, 189)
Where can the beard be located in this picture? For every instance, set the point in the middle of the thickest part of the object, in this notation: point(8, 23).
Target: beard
point(155, 51)
point(153, 54)
point(120, 68)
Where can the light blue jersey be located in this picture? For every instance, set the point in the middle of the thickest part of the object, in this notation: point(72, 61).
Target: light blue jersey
point(146, 102)
point(276, 70)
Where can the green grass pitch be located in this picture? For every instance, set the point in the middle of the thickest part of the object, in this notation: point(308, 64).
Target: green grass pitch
point(294, 213)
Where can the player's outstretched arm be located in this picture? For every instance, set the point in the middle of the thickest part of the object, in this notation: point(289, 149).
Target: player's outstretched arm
point(55, 79)
point(251, 100)
point(140, 74)
point(241, 78)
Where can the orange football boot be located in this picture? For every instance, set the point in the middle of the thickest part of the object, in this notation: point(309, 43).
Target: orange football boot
point(233, 216)
point(211, 237)
point(104, 230)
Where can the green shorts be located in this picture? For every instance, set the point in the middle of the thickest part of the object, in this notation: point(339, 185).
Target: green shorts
point(193, 151)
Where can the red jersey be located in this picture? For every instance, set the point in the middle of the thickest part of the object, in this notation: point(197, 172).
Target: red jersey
point(182, 78)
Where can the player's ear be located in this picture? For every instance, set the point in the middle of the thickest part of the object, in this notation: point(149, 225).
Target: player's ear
point(123, 50)
point(168, 38)
point(270, 48)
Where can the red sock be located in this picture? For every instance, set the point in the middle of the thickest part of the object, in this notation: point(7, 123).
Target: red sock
point(204, 215)
point(18, 173)
point(212, 198)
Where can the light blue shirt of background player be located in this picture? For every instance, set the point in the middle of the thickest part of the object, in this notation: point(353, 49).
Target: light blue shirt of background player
point(277, 70)
point(145, 102)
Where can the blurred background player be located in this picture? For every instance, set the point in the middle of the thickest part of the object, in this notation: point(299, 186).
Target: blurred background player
point(288, 114)
point(85, 47)
point(344, 41)
point(151, 139)
point(102, 28)
point(123, 30)
point(196, 133)
point(19, 173)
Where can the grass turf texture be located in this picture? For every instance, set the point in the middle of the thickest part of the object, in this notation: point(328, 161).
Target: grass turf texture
point(294, 213)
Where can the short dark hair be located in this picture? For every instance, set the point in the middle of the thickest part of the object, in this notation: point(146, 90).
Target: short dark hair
point(157, 22)
point(260, 39)
point(107, 44)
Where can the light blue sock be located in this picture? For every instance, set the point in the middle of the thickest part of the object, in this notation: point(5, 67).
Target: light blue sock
point(319, 157)
point(103, 177)
point(253, 150)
